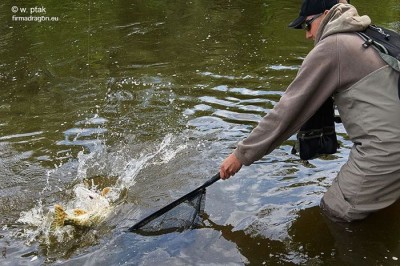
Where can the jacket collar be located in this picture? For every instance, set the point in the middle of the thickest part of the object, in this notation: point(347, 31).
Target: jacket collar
point(341, 18)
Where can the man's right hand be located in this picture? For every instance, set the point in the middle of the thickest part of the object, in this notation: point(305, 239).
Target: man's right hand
point(229, 167)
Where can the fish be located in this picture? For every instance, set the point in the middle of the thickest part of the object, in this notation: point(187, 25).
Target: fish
point(93, 208)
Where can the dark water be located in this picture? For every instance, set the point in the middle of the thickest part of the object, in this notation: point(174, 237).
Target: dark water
point(148, 97)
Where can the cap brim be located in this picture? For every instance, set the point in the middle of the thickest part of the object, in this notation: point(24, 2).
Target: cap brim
point(296, 24)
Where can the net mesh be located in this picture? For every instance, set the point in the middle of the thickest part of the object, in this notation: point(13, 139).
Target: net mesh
point(185, 215)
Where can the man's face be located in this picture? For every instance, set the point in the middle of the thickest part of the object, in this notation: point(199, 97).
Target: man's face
point(311, 25)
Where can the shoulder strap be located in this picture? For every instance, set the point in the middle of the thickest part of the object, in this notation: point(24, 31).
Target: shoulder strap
point(382, 37)
point(369, 41)
point(385, 41)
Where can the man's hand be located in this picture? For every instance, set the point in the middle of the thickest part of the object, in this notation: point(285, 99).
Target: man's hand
point(229, 167)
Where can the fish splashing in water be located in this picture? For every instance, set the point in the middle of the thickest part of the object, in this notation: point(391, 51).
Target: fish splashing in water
point(90, 208)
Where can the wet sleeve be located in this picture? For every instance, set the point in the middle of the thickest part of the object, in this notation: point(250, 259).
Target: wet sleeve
point(316, 80)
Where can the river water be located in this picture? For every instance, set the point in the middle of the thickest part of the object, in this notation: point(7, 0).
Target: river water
point(148, 98)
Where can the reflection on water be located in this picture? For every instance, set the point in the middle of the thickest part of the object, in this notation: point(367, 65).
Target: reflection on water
point(148, 98)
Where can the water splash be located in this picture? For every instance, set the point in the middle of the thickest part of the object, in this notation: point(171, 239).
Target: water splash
point(95, 170)
point(134, 166)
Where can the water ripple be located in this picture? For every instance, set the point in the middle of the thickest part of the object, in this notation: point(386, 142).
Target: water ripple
point(22, 135)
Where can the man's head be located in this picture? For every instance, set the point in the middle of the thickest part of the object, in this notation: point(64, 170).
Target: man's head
point(311, 14)
point(310, 8)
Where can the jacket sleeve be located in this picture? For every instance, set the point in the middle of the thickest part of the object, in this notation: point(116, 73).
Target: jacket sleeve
point(316, 80)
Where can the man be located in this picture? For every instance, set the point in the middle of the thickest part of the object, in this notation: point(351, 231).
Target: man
point(365, 90)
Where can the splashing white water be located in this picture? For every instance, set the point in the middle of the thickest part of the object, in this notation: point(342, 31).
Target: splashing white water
point(134, 166)
point(107, 164)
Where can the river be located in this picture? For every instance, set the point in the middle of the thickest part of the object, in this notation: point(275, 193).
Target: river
point(148, 98)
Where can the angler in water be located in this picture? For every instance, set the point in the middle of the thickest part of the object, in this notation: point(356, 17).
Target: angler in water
point(91, 209)
point(365, 88)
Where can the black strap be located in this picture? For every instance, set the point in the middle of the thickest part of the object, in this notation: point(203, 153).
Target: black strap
point(398, 87)
point(385, 40)
point(369, 41)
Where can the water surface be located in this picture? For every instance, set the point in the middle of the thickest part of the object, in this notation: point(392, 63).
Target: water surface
point(149, 97)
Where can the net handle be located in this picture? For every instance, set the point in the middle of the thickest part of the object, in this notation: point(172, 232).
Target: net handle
point(173, 204)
